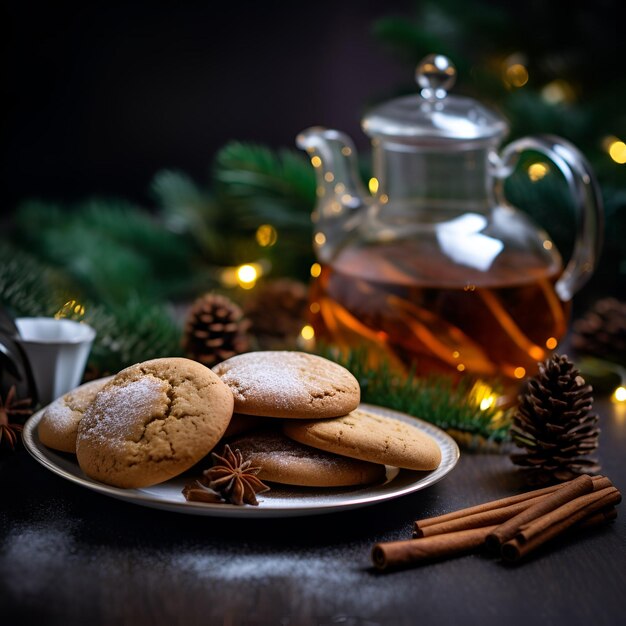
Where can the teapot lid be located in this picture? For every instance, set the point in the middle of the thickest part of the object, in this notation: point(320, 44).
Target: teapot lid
point(433, 115)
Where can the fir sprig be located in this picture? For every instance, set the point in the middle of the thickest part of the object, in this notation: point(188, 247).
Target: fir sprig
point(109, 248)
point(277, 187)
point(453, 406)
point(190, 210)
point(27, 286)
point(130, 333)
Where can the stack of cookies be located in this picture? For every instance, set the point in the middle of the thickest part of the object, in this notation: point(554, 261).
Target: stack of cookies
point(293, 414)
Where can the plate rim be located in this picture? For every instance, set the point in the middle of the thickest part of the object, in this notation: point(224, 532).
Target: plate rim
point(450, 456)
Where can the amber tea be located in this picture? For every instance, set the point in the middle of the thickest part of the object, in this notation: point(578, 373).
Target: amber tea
point(497, 325)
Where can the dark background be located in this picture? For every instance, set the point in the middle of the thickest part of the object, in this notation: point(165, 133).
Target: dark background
point(99, 96)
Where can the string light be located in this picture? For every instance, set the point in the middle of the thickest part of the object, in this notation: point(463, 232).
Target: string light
point(617, 151)
point(373, 185)
point(558, 91)
point(266, 235)
point(306, 340)
point(307, 332)
point(72, 309)
point(519, 372)
point(320, 239)
point(247, 275)
point(515, 74)
point(536, 171)
point(316, 270)
point(483, 395)
point(619, 395)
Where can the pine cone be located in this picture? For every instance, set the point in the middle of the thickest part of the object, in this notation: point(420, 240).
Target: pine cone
point(277, 312)
point(554, 424)
point(601, 332)
point(215, 330)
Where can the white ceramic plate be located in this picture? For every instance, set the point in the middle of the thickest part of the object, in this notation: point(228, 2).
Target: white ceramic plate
point(279, 502)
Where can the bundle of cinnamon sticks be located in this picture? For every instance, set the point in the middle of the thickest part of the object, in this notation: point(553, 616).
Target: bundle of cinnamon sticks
point(512, 527)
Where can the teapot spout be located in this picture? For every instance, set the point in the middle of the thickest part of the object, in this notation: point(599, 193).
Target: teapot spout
point(340, 192)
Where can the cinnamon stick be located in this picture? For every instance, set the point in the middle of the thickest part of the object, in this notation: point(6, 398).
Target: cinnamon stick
point(490, 513)
point(396, 554)
point(480, 519)
point(584, 508)
point(506, 531)
point(547, 521)
point(501, 503)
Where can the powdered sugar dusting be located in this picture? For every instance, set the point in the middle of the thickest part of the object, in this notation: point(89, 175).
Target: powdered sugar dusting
point(120, 413)
point(288, 381)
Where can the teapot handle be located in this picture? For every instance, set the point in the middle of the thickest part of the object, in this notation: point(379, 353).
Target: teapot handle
point(583, 187)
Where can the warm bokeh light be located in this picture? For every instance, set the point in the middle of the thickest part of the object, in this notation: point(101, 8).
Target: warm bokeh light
point(316, 161)
point(71, 309)
point(617, 151)
point(519, 372)
point(329, 177)
point(551, 343)
point(619, 395)
point(320, 239)
point(247, 275)
point(266, 235)
point(516, 75)
point(307, 332)
point(460, 367)
point(314, 307)
point(373, 185)
point(384, 198)
point(558, 91)
point(536, 171)
point(547, 244)
point(346, 151)
point(316, 270)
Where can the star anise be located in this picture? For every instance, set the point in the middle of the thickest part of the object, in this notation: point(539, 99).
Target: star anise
point(8, 408)
point(197, 492)
point(234, 478)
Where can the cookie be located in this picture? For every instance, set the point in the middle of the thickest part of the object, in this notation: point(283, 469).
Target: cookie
point(289, 384)
point(59, 423)
point(288, 462)
point(152, 421)
point(370, 437)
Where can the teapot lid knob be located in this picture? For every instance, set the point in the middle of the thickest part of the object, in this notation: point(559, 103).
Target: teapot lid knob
point(436, 75)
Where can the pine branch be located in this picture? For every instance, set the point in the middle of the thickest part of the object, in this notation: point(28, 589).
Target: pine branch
point(130, 333)
point(266, 186)
point(29, 288)
point(109, 248)
point(191, 211)
point(453, 407)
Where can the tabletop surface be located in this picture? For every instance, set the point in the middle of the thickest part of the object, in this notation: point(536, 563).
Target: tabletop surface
point(72, 556)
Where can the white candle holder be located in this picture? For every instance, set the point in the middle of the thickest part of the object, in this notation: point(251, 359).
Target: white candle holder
point(57, 350)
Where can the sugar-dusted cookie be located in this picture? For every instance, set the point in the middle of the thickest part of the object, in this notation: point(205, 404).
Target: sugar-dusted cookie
point(289, 384)
point(59, 423)
point(152, 421)
point(285, 461)
point(370, 437)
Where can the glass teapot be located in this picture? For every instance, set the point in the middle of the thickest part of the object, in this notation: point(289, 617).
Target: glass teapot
point(435, 269)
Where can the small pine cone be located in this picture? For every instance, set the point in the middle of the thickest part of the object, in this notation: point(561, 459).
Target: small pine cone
point(277, 312)
point(601, 332)
point(555, 425)
point(215, 330)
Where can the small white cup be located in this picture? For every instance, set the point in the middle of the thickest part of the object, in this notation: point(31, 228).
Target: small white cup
point(57, 351)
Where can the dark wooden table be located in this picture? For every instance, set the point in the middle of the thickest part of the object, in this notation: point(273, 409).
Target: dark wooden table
point(71, 556)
